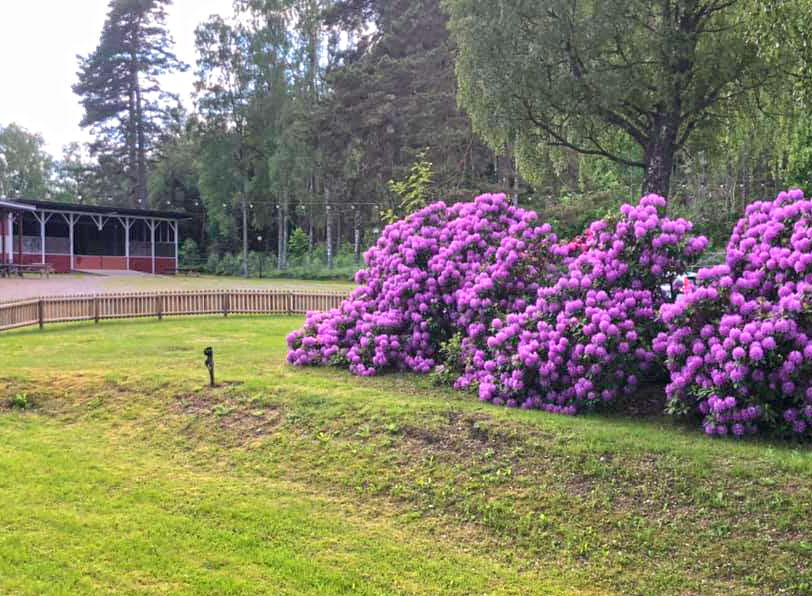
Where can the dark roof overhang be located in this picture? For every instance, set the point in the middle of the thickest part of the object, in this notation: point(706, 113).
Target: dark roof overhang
point(30, 205)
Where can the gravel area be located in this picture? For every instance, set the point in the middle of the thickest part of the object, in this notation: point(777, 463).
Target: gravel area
point(33, 286)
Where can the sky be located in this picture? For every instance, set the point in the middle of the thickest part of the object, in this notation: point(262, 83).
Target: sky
point(39, 42)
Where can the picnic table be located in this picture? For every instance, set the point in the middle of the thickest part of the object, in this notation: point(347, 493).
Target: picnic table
point(9, 269)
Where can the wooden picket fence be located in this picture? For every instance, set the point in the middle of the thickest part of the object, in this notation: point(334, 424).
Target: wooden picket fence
point(97, 307)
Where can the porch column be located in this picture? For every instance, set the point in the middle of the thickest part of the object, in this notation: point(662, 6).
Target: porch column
point(100, 221)
point(43, 219)
point(20, 241)
point(175, 227)
point(42, 222)
point(10, 243)
point(126, 223)
point(69, 219)
point(10, 238)
point(71, 225)
point(152, 241)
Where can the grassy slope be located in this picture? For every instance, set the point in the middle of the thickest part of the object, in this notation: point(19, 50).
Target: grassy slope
point(131, 477)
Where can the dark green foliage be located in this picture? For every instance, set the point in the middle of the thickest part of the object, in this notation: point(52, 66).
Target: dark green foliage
point(413, 190)
point(265, 265)
point(297, 245)
point(189, 253)
point(20, 401)
point(393, 95)
point(453, 362)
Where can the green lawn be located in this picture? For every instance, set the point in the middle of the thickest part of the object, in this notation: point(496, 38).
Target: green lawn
point(129, 476)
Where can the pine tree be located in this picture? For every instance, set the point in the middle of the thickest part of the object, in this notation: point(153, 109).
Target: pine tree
point(119, 89)
point(392, 95)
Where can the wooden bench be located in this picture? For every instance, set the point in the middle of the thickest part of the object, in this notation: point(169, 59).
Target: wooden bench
point(9, 269)
point(185, 271)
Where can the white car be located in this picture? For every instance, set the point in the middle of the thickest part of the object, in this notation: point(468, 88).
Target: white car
point(681, 284)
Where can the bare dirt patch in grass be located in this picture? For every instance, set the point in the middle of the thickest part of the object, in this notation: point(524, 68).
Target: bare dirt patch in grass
point(244, 418)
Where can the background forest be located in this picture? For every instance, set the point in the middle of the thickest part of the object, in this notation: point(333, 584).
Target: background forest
point(317, 122)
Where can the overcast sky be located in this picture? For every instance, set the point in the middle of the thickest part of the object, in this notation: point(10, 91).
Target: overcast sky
point(39, 41)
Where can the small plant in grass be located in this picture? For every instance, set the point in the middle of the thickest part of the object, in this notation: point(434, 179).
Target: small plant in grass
point(260, 400)
point(20, 401)
point(222, 410)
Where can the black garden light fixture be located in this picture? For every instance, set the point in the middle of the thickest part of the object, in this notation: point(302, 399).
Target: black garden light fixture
point(209, 354)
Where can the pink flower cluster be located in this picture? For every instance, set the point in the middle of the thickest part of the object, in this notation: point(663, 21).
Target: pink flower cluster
point(588, 335)
point(422, 273)
point(738, 346)
point(541, 325)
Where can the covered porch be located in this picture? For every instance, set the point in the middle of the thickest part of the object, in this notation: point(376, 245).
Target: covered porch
point(81, 237)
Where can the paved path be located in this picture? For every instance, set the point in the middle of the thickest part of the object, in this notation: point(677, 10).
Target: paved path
point(60, 285)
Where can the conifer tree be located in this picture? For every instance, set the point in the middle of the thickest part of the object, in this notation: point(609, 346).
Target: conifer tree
point(120, 91)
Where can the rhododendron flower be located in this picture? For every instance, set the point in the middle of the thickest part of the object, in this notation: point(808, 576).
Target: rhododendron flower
point(757, 302)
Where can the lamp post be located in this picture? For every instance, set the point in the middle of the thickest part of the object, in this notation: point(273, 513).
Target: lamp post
point(261, 255)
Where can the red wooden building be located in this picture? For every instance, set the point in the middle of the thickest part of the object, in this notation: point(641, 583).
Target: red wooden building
point(86, 237)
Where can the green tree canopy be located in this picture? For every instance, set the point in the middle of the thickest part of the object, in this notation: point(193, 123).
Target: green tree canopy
point(627, 80)
point(25, 166)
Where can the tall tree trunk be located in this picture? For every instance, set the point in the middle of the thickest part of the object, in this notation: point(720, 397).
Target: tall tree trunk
point(310, 239)
point(285, 231)
point(515, 180)
point(282, 239)
point(573, 171)
point(338, 230)
point(279, 239)
point(357, 233)
point(132, 134)
point(140, 140)
point(141, 182)
point(329, 227)
point(659, 155)
point(245, 233)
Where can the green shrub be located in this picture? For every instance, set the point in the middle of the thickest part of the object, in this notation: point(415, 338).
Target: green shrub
point(298, 244)
point(299, 267)
point(189, 254)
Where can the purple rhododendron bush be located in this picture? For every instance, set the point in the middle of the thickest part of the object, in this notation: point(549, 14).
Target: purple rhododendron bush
point(487, 293)
point(418, 275)
point(588, 334)
point(738, 347)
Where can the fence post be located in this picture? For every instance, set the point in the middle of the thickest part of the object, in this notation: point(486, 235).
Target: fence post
point(290, 303)
point(95, 309)
point(159, 306)
point(225, 304)
point(41, 312)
